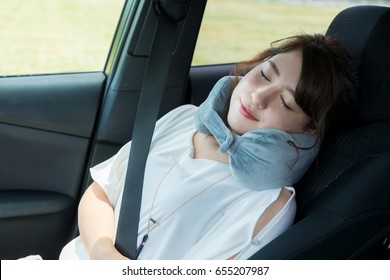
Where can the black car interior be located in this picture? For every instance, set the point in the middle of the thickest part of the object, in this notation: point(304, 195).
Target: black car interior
point(54, 127)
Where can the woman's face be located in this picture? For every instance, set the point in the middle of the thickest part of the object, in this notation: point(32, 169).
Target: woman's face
point(264, 98)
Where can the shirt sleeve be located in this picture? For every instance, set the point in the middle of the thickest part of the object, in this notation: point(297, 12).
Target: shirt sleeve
point(110, 174)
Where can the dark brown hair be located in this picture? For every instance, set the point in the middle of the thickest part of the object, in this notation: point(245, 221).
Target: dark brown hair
point(326, 88)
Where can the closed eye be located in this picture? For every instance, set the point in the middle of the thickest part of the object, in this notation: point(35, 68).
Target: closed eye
point(284, 103)
point(264, 76)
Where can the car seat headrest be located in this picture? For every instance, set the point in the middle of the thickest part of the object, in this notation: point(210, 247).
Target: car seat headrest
point(364, 31)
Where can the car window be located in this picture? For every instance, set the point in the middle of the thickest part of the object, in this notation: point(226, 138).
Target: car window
point(233, 30)
point(56, 36)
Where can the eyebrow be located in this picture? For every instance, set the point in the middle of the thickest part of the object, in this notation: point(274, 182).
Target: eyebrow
point(277, 72)
point(274, 67)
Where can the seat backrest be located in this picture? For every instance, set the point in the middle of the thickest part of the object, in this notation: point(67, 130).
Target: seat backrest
point(344, 199)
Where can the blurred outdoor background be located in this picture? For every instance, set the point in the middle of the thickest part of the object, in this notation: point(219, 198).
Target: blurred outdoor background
point(237, 29)
point(57, 36)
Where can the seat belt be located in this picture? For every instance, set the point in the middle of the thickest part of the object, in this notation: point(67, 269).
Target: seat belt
point(152, 90)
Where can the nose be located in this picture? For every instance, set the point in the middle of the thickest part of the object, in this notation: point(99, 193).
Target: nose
point(262, 97)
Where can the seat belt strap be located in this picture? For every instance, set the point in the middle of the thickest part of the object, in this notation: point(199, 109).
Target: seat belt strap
point(152, 90)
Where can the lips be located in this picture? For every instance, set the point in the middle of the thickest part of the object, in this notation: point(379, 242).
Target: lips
point(245, 111)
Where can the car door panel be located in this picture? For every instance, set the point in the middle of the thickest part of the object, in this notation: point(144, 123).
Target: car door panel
point(35, 159)
point(46, 127)
point(47, 102)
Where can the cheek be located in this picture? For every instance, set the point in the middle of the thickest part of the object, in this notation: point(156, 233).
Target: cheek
point(280, 119)
point(234, 102)
point(232, 114)
point(234, 118)
point(294, 123)
point(245, 85)
point(237, 91)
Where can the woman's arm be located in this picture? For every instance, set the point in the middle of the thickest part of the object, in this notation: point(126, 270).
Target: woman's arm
point(97, 224)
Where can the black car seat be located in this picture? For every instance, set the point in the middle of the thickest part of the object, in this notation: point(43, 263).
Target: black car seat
point(344, 199)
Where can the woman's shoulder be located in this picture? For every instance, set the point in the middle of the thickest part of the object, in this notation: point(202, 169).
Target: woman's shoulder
point(180, 112)
point(178, 116)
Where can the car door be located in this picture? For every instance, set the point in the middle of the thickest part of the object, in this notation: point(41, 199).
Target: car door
point(47, 126)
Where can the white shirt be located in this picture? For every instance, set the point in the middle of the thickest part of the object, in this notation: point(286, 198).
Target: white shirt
point(204, 213)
